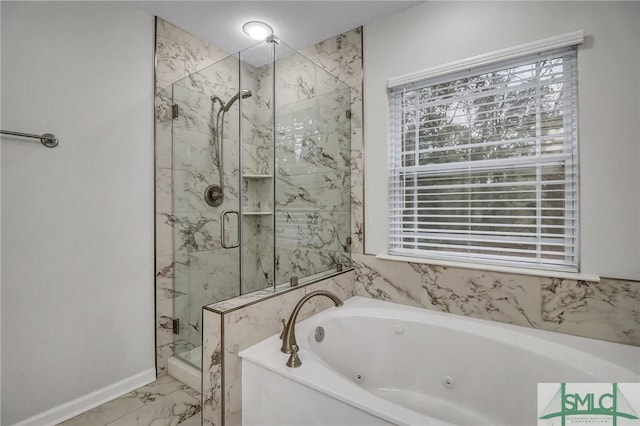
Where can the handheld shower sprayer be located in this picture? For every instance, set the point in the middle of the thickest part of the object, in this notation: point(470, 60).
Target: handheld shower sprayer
point(214, 194)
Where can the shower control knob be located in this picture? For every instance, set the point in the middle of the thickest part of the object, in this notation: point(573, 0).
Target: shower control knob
point(213, 195)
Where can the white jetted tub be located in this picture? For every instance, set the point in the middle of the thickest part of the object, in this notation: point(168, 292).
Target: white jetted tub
point(384, 363)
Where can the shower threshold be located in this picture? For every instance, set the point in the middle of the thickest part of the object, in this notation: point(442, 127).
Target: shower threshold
point(183, 368)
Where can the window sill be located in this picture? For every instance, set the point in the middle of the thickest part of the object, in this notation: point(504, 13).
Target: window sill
point(494, 268)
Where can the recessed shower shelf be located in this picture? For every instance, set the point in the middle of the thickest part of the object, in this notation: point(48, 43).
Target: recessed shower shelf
point(256, 213)
point(248, 176)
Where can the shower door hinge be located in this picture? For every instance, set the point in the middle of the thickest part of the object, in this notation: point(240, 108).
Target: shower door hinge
point(175, 111)
point(176, 326)
point(348, 112)
point(349, 240)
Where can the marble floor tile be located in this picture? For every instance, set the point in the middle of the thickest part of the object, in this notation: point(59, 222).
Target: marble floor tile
point(165, 402)
point(162, 387)
point(171, 410)
point(106, 413)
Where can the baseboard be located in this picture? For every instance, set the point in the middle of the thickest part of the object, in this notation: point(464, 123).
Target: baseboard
point(71, 409)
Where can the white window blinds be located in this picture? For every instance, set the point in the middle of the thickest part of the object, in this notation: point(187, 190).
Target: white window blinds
point(484, 164)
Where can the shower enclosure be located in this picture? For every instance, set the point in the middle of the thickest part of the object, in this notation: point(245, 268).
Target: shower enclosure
point(261, 180)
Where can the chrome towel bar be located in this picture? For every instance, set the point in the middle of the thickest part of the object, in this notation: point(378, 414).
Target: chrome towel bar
point(48, 139)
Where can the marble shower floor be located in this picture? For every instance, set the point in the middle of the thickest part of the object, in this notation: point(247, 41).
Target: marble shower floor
point(165, 402)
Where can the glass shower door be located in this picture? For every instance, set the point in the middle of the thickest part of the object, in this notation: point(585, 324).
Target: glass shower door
point(205, 198)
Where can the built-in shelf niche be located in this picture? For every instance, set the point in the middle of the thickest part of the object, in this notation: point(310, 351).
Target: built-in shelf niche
point(258, 188)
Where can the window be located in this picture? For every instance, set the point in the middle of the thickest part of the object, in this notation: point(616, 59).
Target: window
point(484, 164)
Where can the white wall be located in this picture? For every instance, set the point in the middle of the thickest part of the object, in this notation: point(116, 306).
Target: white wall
point(77, 220)
point(436, 33)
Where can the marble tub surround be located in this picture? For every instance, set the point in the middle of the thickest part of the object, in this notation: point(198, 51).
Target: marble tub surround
point(608, 310)
point(236, 324)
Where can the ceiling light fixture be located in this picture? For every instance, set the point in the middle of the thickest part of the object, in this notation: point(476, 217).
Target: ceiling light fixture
point(257, 30)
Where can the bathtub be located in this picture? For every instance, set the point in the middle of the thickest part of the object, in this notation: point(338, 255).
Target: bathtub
point(384, 363)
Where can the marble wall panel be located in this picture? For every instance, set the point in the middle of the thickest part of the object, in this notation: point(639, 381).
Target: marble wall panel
point(313, 230)
point(313, 193)
point(304, 262)
point(212, 369)
point(179, 53)
point(608, 310)
point(295, 81)
point(196, 111)
point(318, 115)
point(322, 153)
point(214, 274)
point(341, 56)
point(257, 261)
point(245, 323)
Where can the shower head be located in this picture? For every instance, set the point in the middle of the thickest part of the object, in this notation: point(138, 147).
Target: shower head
point(245, 94)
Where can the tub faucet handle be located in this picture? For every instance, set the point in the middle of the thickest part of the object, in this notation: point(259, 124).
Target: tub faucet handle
point(284, 327)
point(294, 359)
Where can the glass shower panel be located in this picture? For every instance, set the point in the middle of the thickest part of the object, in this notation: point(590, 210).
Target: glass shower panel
point(205, 119)
point(312, 174)
point(256, 71)
point(261, 180)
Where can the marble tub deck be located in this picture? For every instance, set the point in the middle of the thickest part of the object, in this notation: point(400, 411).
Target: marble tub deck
point(165, 402)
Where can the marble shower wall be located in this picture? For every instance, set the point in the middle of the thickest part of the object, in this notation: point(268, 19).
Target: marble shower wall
point(178, 55)
point(608, 310)
point(341, 56)
point(312, 169)
point(257, 169)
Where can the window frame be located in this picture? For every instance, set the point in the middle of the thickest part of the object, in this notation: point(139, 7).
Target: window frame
point(570, 126)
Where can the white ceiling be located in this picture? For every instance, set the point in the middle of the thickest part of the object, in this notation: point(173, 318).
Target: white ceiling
point(297, 23)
